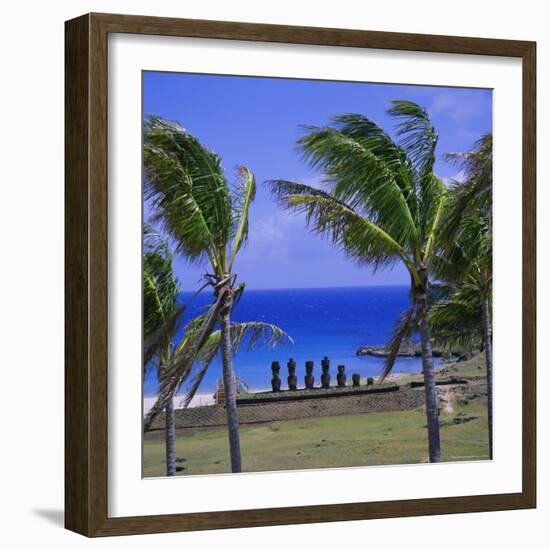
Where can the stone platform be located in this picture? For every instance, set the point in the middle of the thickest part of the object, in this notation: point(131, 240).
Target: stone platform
point(297, 405)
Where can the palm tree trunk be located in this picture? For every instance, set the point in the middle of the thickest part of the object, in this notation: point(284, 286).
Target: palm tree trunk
point(230, 388)
point(488, 344)
point(170, 435)
point(428, 369)
point(169, 431)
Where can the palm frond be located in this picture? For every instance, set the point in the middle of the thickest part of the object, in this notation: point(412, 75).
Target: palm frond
point(475, 164)
point(359, 237)
point(465, 261)
point(238, 292)
point(475, 193)
point(433, 216)
point(155, 243)
point(183, 360)
point(162, 337)
point(362, 178)
point(474, 235)
point(466, 236)
point(456, 323)
point(187, 188)
point(376, 140)
point(160, 286)
point(161, 311)
point(244, 196)
point(255, 333)
point(207, 354)
point(258, 334)
point(402, 329)
point(195, 385)
point(418, 137)
point(467, 245)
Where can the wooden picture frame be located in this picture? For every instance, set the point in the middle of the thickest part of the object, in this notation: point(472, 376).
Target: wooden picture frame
point(86, 414)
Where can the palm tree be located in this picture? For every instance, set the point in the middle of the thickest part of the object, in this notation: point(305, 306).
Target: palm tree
point(383, 204)
point(465, 317)
point(456, 320)
point(187, 187)
point(169, 351)
point(475, 193)
point(466, 255)
point(160, 313)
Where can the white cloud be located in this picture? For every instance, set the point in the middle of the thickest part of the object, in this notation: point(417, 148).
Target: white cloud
point(462, 112)
point(459, 111)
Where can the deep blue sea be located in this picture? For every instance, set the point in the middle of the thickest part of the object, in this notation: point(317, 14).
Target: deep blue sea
point(321, 321)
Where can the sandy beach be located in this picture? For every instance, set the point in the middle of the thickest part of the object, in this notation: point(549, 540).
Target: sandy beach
point(199, 400)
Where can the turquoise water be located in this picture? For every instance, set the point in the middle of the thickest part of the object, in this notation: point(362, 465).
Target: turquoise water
point(328, 321)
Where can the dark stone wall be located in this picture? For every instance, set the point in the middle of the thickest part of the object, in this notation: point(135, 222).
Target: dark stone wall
point(214, 415)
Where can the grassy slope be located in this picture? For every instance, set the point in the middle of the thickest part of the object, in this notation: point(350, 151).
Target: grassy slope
point(372, 439)
point(475, 367)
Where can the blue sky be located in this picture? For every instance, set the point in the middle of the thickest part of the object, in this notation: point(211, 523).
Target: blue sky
point(256, 122)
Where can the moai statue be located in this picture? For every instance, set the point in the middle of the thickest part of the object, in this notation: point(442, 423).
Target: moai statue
point(276, 380)
point(410, 347)
point(370, 381)
point(356, 379)
point(341, 376)
point(309, 380)
point(292, 378)
point(325, 377)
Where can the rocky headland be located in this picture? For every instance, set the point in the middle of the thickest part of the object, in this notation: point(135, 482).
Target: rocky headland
point(407, 349)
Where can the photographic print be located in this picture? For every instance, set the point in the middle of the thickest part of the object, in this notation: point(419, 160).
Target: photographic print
point(317, 274)
point(285, 259)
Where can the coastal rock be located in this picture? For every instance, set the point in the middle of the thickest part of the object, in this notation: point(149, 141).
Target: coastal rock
point(407, 349)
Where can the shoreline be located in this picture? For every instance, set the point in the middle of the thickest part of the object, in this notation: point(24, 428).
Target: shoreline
point(199, 400)
point(205, 399)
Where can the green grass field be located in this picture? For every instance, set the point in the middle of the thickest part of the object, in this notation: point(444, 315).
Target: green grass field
point(342, 441)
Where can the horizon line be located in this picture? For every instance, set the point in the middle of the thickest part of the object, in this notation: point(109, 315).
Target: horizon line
point(319, 287)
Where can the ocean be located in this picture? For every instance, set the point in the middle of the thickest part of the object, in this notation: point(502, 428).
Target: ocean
point(330, 322)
